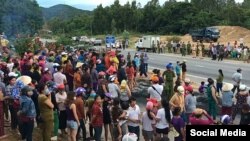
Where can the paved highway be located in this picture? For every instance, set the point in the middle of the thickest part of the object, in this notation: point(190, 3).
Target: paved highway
point(199, 69)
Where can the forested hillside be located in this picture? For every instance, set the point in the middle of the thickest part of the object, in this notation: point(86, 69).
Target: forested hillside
point(170, 18)
point(18, 17)
point(63, 12)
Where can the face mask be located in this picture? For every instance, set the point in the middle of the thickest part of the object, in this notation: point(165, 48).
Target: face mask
point(47, 92)
point(30, 93)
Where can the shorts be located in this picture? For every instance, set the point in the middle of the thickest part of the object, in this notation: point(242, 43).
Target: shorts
point(148, 134)
point(162, 131)
point(71, 124)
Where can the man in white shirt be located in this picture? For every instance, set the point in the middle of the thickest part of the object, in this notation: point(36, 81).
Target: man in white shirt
point(237, 77)
point(155, 91)
point(59, 77)
point(134, 117)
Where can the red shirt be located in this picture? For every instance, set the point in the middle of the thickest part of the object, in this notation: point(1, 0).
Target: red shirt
point(97, 112)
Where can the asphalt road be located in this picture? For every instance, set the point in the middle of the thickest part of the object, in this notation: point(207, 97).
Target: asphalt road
point(199, 69)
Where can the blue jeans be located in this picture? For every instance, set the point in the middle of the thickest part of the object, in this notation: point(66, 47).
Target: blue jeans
point(135, 130)
point(98, 133)
point(219, 87)
point(26, 130)
point(82, 126)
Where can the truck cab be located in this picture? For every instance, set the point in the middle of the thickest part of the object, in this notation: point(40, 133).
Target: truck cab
point(110, 41)
point(205, 34)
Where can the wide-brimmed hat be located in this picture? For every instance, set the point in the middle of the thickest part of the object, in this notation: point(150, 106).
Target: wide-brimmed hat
point(25, 79)
point(243, 87)
point(227, 87)
point(79, 64)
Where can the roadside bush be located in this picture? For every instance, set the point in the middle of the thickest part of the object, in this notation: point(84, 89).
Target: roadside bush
point(174, 39)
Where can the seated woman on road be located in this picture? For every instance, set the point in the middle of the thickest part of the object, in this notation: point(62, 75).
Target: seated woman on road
point(197, 117)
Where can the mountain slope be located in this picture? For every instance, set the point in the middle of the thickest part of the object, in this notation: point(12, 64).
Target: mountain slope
point(64, 12)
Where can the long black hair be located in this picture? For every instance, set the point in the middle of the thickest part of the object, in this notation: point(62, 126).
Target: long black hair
point(221, 73)
point(149, 114)
point(165, 105)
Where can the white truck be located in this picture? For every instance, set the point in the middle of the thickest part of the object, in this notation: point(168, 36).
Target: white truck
point(147, 43)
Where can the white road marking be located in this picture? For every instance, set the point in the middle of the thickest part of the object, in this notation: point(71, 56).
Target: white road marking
point(200, 66)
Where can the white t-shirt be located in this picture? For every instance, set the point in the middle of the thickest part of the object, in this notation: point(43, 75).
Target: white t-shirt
point(134, 113)
point(153, 93)
point(114, 90)
point(61, 98)
point(10, 66)
point(162, 123)
point(59, 78)
point(146, 122)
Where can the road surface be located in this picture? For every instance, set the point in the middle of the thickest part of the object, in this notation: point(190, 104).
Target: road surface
point(199, 69)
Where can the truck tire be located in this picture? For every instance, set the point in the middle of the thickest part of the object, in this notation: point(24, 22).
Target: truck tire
point(137, 48)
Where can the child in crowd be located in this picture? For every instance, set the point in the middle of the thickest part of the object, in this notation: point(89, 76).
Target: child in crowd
point(148, 121)
point(202, 88)
point(178, 124)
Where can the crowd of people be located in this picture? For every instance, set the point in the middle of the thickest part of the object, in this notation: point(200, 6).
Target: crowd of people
point(69, 93)
point(237, 51)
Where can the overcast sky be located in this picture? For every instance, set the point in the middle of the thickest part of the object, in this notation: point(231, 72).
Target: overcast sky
point(91, 4)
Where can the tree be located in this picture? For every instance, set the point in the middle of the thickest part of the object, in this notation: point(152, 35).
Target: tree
point(113, 26)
